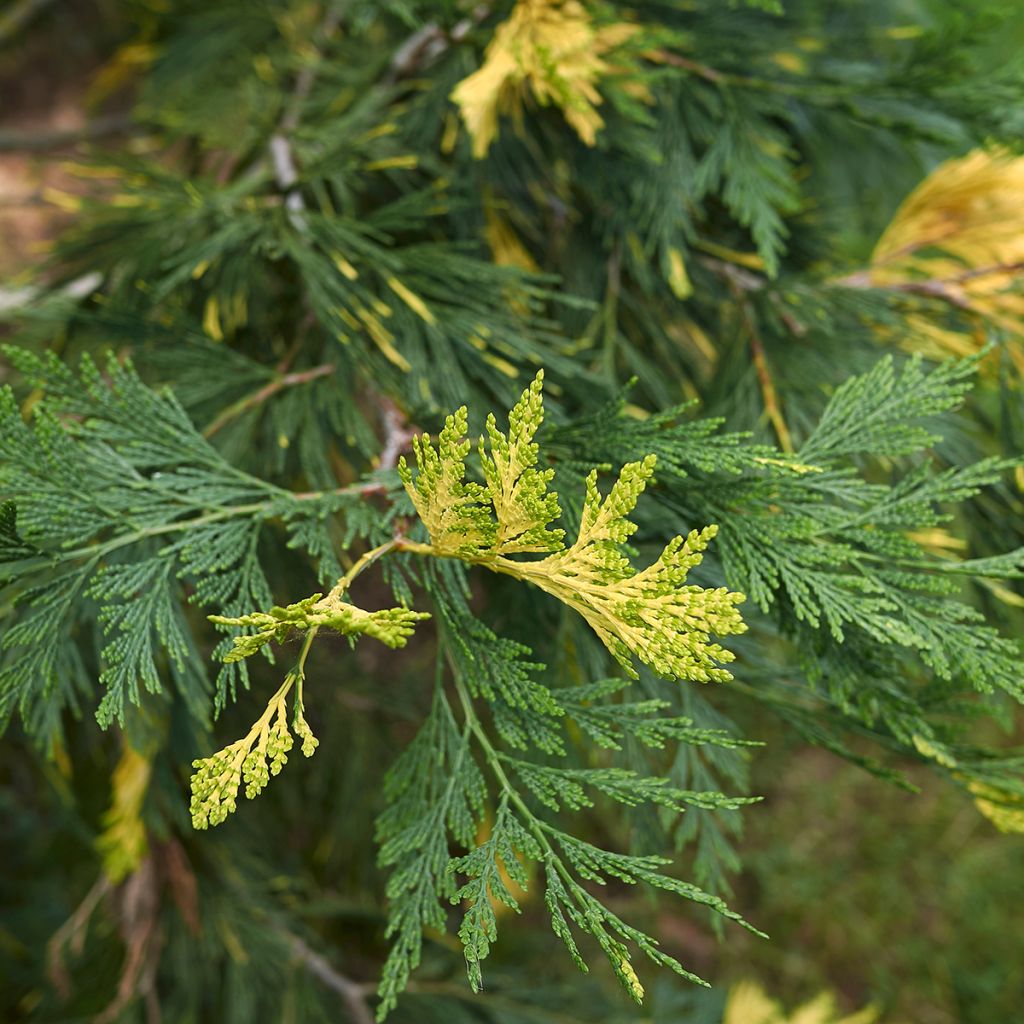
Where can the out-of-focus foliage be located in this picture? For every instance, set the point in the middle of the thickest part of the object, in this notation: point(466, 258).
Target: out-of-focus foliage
point(959, 237)
point(749, 1004)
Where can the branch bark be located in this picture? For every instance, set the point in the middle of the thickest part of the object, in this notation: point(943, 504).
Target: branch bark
point(20, 141)
point(948, 289)
point(350, 991)
point(271, 388)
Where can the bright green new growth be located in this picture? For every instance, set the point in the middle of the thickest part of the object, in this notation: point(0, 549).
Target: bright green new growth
point(450, 508)
point(518, 491)
point(215, 783)
point(650, 614)
point(391, 626)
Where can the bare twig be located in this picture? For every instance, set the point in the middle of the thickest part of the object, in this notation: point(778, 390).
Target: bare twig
point(266, 392)
point(139, 924)
point(12, 299)
point(71, 934)
point(282, 156)
point(770, 397)
point(741, 283)
point(35, 141)
point(738, 277)
point(398, 434)
point(423, 46)
point(949, 289)
point(351, 992)
point(306, 324)
point(426, 44)
point(793, 325)
point(694, 67)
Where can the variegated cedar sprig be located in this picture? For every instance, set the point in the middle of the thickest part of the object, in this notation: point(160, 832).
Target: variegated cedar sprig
point(217, 778)
point(650, 614)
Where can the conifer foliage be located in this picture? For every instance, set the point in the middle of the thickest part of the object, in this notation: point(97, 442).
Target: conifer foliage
point(748, 445)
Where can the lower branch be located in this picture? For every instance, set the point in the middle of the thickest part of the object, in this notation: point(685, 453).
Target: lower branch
point(351, 992)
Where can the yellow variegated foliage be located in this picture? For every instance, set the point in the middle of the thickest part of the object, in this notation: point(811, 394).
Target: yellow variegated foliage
point(748, 1004)
point(650, 614)
point(1002, 807)
point(391, 626)
point(960, 237)
point(506, 246)
point(550, 50)
point(262, 752)
point(629, 977)
point(448, 505)
point(122, 843)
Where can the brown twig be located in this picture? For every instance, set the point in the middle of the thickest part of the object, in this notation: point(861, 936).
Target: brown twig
point(306, 324)
point(271, 388)
point(995, 268)
point(426, 44)
point(741, 283)
point(398, 434)
point(793, 325)
point(694, 67)
point(35, 141)
point(71, 934)
point(142, 934)
point(770, 397)
point(350, 991)
point(738, 277)
point(282, 156)
point(945, 288)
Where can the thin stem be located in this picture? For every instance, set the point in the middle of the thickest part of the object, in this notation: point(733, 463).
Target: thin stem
point(826, 93)
point(263, 394)
point(282, 156)
point(362, 564)
point(14, 141)
point(350, 991)
point(299, 673)
point(300, 668)
point(97, 550)
point(770, 397)
point(610, 309)
point(415, 548)
point(397, 436)
point(946, 288)
point(493, 758)
point(71, 933)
